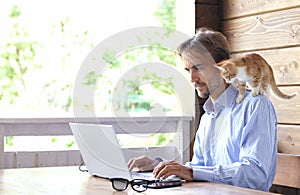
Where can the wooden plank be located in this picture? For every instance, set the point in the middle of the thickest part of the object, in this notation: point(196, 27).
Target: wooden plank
point(264, 31)
point(2, 129)
point(102, 119)
point(60, 126)
point(59, 158)
point(30, 159)
point(49, 126)
point(288, 170)
point(239, 8)
point(287, 110)
point(26, 159)
point(285, 64)
point(70, 181)
point(37, 129)
point(33, 129)
point(10, 160)
point(284, 190)
point(289, 139)
point(207, 16)
point(208, 2)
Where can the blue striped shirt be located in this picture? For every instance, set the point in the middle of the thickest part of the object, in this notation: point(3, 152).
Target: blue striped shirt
point(236, 144)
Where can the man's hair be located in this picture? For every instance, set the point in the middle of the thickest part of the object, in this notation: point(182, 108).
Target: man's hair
point(213, 41)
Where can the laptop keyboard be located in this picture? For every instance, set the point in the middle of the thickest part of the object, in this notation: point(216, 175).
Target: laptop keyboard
point(145, 175)
point(150, 176)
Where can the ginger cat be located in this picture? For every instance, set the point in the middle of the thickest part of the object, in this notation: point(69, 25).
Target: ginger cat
point(251, 69)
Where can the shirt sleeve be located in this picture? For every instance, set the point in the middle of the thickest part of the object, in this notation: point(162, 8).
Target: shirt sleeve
point(197, 157)
point(258, 151)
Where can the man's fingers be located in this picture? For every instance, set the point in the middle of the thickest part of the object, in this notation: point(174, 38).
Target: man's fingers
point(129, 164)
point(147, 167)
point(160, 168)
point(165, 170)
point(142, 164)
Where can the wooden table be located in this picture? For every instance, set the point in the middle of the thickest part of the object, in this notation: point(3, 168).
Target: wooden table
point(69, 180)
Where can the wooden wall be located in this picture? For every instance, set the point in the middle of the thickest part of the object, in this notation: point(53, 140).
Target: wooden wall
point(272, 29)
point(207, 13)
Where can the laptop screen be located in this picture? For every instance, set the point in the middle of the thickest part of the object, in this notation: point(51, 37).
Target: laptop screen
point(100, 150)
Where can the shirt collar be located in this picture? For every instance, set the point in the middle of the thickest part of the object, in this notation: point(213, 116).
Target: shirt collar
point(226, 99)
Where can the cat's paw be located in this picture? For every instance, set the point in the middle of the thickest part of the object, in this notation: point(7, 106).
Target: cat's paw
point(262, 92)
point(239, 99)
point(254, 93)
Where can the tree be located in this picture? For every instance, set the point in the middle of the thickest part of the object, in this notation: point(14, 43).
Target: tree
point(16, 59)
point(134, 100)
point(58, 90)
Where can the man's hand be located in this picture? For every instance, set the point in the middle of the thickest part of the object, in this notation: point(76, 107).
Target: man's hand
point(166, 169)
point(143, 163)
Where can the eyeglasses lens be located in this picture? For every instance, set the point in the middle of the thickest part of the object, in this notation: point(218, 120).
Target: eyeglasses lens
point(139, 185)
point(120, 184)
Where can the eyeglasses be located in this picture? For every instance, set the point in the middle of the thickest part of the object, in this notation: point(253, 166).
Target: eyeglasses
point(138, 185)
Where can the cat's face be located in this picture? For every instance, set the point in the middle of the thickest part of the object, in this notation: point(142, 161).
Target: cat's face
point(227, 70)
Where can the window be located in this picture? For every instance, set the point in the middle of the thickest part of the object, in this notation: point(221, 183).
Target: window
point(45, 43)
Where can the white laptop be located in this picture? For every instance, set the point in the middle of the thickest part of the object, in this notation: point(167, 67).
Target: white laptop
point(101, 151)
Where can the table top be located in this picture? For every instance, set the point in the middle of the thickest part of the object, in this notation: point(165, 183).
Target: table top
point(69, 180)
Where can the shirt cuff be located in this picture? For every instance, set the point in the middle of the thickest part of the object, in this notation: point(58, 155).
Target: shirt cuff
point(203, 174)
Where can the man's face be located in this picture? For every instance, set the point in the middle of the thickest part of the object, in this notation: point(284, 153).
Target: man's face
point(198, 80)
point(204, 76)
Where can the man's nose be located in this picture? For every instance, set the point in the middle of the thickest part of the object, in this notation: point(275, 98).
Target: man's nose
point(194, 75)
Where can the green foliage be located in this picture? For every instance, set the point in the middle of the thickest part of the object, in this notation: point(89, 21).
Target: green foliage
point(58, 90)
point(166, 14)
point(16, 59)
point(70, 144)
point(53, 139)
point(91, 78)
point(110, 58)
point(163, 139)
point(9, 140)
point(135, 101)
point(16, 12)
point(59, 94)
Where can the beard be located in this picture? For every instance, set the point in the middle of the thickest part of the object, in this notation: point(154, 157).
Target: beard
point(204, 92)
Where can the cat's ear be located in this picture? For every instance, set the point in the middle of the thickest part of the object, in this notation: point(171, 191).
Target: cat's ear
point(222, 68)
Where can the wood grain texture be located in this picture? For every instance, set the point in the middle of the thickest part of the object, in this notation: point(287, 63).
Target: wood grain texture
point(207, 16)
point(285, 64)
point(69, 180)
point(29, 159)
point(271, 28)
point(284, 190)
point(239, 8)
point(208, 2)
point(265, 31)
point(287, 110)
point(289, 139)
point(288, 170)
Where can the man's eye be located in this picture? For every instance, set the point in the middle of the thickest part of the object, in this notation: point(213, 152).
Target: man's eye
point(197, 66)
point(187, 69)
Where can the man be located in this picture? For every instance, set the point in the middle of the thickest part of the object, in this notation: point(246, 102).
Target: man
point(235, 144)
